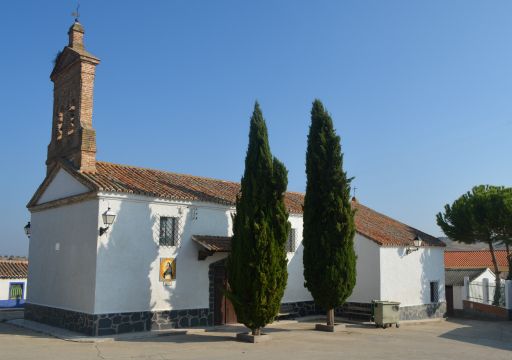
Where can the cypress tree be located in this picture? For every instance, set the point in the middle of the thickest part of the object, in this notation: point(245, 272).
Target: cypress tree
point(257, 264)
point(328, 237)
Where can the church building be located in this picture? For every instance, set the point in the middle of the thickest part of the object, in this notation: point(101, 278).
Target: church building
point(117, 248)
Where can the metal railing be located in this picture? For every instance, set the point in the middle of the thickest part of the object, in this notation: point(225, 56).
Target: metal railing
point(484, 292)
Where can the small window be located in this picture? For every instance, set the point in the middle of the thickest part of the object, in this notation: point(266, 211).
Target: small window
point(169, 231)
point(434, 291)
point(16, 291)
point(290, 243)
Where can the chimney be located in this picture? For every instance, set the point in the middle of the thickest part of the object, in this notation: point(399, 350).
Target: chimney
point(73, 137)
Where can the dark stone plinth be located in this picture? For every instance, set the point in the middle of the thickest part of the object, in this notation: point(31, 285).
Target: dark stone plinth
point(117, 323)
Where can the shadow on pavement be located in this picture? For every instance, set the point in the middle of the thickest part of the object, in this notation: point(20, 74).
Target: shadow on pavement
point(495, 334)
point(8, 329)
point(182, 339)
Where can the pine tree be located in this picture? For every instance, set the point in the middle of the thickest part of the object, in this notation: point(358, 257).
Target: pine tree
point(328, 238)
point(257, 265)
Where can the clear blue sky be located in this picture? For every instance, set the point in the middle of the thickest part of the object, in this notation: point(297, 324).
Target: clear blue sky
point(420, 92)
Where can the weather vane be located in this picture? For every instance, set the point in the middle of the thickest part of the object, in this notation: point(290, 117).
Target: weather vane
point(355, 189)
point(76, 14)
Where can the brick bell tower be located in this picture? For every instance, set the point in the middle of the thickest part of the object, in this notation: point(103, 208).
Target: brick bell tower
point(73, 137)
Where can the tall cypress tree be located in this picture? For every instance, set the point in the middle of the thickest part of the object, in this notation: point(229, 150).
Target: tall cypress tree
point(257, 265)
point(328, 238)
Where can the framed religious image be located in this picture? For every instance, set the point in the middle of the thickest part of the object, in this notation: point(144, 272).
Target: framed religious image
point(167, 270)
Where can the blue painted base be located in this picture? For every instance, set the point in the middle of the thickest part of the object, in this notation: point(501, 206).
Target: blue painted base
point(12, 304)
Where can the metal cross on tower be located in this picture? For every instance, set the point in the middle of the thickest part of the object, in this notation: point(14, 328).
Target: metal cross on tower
point(76, 13)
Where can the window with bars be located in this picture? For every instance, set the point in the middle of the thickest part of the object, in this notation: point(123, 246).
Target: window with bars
point(15, 291)
point(290, 243)
point(434, 291)
point(169, 231)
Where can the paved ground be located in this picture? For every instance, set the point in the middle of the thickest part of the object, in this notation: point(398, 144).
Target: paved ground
point(460, 339)
point(6, 315)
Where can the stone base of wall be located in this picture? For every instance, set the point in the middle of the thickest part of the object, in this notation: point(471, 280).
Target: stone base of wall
point(71, 320)
point(118, 323)
point(421, 312)
point(303, 308)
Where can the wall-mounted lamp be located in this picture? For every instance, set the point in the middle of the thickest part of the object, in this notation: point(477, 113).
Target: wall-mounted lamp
point(27, 229)
point(108, 219)
point(416, 245)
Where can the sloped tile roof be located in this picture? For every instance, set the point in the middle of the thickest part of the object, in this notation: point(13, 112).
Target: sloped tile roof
point(214, 243)
point(386, 231)
point(13, 269)
point(475, 259)
point(161, 184)
point(455, 277)
point(156, 183)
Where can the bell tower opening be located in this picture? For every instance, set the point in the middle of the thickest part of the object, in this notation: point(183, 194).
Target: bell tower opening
point(73, 137)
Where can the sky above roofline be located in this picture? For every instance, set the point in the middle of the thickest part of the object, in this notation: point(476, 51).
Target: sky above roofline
point(419, 93)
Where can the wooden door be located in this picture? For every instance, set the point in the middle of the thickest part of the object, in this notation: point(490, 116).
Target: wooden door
point(224, 312)
point(449, 300)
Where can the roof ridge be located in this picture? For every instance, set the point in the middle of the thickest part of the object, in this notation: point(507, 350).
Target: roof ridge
point(470, 250)
point(168, 172)
point(395, 220)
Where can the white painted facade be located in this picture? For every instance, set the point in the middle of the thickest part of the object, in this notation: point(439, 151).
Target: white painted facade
point(62, 185)
point(72, 267)
point(481, 289)
point(406, 277)
point(62, 256)
point(5, 286)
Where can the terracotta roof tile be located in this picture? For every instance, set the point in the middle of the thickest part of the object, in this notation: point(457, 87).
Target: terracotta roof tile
point(13, 269)
point(214, 243)
point(386, 231)
point(135, 180)
point(474, 259)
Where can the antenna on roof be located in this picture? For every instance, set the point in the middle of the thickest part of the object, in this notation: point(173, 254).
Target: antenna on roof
point(76, 13)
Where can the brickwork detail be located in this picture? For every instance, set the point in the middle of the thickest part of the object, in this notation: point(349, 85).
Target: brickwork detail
point(73, 137)
point(485, 311)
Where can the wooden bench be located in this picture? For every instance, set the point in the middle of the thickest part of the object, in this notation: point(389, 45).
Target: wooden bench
point(358, 311)
point(286, 311)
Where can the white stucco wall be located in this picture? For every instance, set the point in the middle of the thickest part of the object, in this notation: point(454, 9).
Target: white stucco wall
point(129, 255)
point(64, 278)
point(406, 278)
point(4, 287)
point(477, 287)
point(295, 290)
point(368, 270)
point(458, 295)
point(127, 274)
point(62, 185)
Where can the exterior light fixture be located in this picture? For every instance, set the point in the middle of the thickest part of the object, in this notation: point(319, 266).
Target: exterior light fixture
point(108, 219)
point(27, 229)
point(417, 241)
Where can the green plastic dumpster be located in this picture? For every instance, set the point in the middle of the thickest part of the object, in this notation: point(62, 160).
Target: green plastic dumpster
point(386, 313)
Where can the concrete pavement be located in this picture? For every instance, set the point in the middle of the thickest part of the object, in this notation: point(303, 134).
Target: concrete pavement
point(461, 339)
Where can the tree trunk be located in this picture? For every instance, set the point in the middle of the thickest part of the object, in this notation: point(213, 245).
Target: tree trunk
point(330, 317)
point(256, 332)
point(497, 290)
point(509, 261)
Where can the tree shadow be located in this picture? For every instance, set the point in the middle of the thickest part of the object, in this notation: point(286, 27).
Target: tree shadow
point(10, 329)
point(494, 334)
point(127, 269)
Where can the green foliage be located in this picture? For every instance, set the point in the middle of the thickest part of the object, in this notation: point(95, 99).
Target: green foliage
point(482, 215)
point(257, 265)
point(328, 236)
